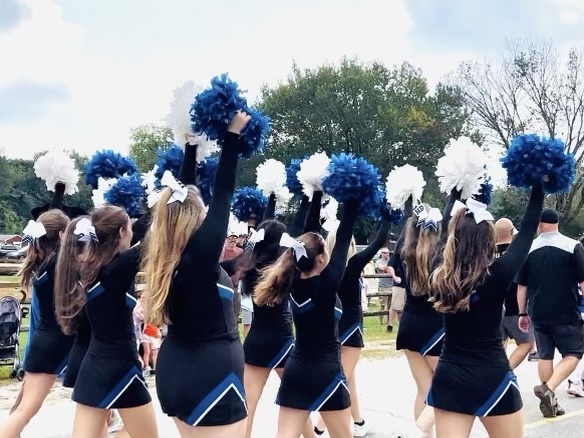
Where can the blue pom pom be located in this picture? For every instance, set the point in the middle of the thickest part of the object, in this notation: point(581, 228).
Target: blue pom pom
point(168, 159)
point(128, 193)
point(248, 202)
point(255, 133)
point(107, 164)
point(530, 158)
point(292, 179)
point(485, 192)
point(352, 178)
point(215, 107)
point(393, 215)
point(206, 178)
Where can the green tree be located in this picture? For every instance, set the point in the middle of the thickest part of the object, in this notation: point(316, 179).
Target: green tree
point(389, 116)
point(527, 89)
point(146, 140)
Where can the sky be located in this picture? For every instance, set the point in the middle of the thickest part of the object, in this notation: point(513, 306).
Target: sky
point(80, 74)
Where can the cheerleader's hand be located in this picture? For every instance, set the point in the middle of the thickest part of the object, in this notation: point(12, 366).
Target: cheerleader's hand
point(239, 122)
point(397, 280)
point(524, 324)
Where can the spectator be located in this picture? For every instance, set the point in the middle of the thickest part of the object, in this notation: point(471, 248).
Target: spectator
point(385, 286)
point(548, 292)
point(510, 327)
point(230, 249)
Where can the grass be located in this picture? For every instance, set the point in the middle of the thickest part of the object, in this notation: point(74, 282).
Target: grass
point(9, 278)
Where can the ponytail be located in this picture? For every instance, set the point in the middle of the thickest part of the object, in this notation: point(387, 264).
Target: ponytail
point(275, 281)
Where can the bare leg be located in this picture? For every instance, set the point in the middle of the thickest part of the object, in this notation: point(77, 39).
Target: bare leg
point(504, 426)
point(254, 379)
point(307, 429)
point(338, 423)
point(563, 370)
point(234, 430)
point(291, 422)
point(140, 421)
point(89, 422)
point(35, 388)
point(453, 425)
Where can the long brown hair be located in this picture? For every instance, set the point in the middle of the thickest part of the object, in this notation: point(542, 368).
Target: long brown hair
point(275, 281)
point(172, 226)
point(418, 250)
point(468, 255)
point(43, 249)
point(74, 277)
point(67, 305)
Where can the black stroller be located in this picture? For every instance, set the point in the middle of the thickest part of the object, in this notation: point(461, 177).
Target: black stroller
point(11, 314)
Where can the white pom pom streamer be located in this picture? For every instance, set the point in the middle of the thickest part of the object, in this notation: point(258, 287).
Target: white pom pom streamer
point(236, 227)
point(462, 167)
point(328, 213)
point(270, 176)
point(148, 181)
point(57, 167)
point(283, 197)
point(205, 147)
point(98, 195)
point(312, 172)
point(403, 182)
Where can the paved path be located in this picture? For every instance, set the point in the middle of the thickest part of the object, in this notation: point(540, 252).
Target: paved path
point(386, 392)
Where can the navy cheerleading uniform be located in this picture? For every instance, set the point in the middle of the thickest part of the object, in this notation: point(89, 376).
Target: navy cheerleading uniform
point(313, 378)
point(473, 376)
point(110, 376)
point(349, 292)
point(78, 350)
point(49, 347)
point(200, 365)
point(270, 339)
point(421, 327)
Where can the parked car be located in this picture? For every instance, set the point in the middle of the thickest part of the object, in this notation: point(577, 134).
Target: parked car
point(19, 254)
point(5, 249)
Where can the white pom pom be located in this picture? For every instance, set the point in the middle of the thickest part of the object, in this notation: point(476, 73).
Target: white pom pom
point(57, 167)
point(462, 167)
point(236, 227)
point(403, 182)
point(283, 197)
point(312, 172)
point(205, 147)
point(328, 213)
point(103, 185)
point(178, 119)
point(270, 176)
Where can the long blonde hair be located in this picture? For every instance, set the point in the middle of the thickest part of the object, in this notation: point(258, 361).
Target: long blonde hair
point(468, 254)
point(331, 240)
point(172, 226)
point(418, 250)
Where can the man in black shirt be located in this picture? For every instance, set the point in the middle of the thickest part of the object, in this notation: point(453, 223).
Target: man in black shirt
point(510, 326)
point(548, 292)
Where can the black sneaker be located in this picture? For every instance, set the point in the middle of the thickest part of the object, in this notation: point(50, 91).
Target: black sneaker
point(547, 404)
point(559, 410)
point(533, 357)
point(389, 328)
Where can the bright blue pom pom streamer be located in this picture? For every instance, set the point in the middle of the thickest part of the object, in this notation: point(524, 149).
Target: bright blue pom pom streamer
point(170, 159)
point(127, 193)
point(292, 179)
point(354, 178)
point(206, 178)
point(107, 164)
point(530, 159)
point(248, 202)
point(214, 109)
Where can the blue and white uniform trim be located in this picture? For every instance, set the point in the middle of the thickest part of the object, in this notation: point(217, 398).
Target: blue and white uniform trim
point(226, 293)
point(432, 342)
point(95, 291)
point(286, 349)
point(302, 307)
point(506, 384)
point(339, 383)
point(350, 331)
point(133, 374)
point(230, 383)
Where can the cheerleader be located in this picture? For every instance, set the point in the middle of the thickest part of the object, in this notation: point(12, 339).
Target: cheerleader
point(49, 347)
point(313, 378)
point(109, 375)
point(351, 321)
point(73, 249)
point(421, 328)
point(199, 377)
point(473, 377)
point(270, 339)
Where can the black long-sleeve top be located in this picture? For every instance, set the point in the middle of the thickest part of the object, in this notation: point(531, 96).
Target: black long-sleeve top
point(44, 287)
point(297, 226)
point(474, 337)
point(270, 210)
point(313, 299)
point(198, 307)
point(312, 222)
point(349, 291)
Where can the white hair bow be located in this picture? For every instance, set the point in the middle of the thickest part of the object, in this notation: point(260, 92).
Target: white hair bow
point(85, 232)
point(429, 218)
point(33, 231)
point(476, 208)
point(257, 236)
point(297, 246)
point(179, 192)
